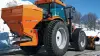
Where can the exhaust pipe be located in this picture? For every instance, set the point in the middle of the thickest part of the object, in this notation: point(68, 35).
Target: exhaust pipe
point(21, 40)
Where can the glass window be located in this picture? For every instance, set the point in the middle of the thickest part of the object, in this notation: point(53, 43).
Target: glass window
point(57, 10)
point(44, 6)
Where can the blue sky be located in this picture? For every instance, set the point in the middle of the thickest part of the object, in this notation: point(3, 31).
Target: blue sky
point(85, 6)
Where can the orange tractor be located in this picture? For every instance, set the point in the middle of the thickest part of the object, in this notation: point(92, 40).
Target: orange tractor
point(48, 23)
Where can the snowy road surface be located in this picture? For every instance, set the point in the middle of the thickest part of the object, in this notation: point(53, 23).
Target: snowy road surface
point(70, 52)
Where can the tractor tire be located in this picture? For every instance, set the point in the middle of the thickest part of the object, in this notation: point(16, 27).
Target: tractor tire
point(30, 50)
point(56, 38)
point(79, 40)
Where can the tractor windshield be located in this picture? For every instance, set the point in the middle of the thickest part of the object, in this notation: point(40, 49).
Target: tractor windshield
point(57, 10)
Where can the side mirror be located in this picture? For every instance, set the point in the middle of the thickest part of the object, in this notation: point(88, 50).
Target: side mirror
point(69, 11)
point(73, 10)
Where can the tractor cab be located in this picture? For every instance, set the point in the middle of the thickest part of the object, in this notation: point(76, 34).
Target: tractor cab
point(52, 8)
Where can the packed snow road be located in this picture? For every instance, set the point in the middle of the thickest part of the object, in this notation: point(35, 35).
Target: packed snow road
point(70, 52)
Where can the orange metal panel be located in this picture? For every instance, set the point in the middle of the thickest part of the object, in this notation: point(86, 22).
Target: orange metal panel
point(54, 17)
point(43, 1)
point(34, 41)
point(59, 2)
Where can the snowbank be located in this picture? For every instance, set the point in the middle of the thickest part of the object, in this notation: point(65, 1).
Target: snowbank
point(91, 33)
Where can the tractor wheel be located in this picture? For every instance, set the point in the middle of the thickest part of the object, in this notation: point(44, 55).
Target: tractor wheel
point(30, 50)
point(79, 40)
point(56, 38)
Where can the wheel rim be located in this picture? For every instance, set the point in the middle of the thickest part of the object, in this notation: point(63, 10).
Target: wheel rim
point(61, 38)
point(82, 39)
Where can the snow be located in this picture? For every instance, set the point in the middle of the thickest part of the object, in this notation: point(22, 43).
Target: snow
point(3, 4)
point(91, 33)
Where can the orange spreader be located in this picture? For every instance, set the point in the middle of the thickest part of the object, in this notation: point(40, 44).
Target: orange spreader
point(22, 20)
